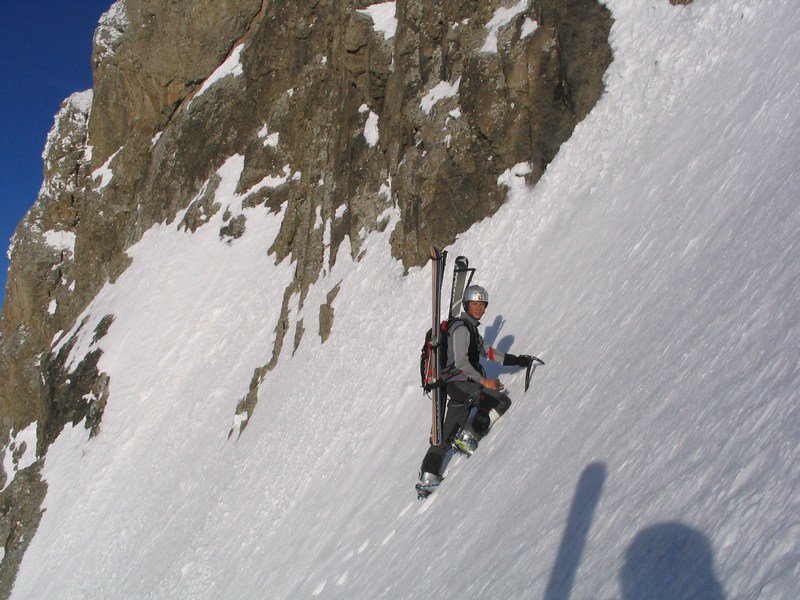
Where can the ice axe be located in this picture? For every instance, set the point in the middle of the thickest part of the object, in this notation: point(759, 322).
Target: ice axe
point(533, 362)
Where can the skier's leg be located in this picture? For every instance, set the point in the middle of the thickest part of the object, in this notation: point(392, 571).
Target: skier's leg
point(464, 392)
point(462, 437)
point(490, 400)
point(481, 422)
point(468, 394)
point(456, 416)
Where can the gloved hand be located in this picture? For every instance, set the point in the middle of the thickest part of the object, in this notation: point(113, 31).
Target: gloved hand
point(517, 361)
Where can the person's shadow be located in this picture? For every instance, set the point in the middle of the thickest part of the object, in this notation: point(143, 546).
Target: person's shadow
point(666, 561)
point(491, 333)
point(581, 512)
point(670, 561)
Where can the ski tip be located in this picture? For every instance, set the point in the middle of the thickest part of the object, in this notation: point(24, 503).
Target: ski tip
point(438, 255)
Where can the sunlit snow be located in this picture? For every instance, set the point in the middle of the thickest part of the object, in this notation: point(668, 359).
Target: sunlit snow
point(231, 67)
point(383, 18)
point(440, 91)
point(62, 241)
point(20, 452)
point(501, 17)
point(103, 175)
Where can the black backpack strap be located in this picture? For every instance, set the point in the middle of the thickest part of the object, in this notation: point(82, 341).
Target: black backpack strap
point(453, 322)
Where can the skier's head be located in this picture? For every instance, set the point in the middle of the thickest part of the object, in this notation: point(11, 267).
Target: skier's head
point(475, 294)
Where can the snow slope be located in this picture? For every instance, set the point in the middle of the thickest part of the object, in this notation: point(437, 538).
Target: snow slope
point(654, 268)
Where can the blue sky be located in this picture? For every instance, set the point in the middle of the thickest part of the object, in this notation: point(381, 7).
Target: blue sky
point(45, 55)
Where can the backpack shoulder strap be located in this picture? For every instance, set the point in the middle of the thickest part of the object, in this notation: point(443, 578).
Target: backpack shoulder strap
point(456, 321)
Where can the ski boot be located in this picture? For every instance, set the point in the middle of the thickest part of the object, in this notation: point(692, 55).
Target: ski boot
point(428, 482)
point(465, 442)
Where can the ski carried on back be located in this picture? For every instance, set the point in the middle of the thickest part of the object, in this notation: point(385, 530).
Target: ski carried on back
point(434, 375)
point(462, 277)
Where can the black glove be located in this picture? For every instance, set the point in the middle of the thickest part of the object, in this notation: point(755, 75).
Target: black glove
point(517, 361)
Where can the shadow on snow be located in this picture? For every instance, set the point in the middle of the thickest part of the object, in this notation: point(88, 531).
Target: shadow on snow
point(666, 561)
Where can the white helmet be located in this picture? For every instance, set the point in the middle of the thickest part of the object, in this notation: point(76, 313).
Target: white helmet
point(475, 293)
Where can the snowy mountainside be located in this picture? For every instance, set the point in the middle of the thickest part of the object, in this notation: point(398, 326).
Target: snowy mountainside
point(653, 268)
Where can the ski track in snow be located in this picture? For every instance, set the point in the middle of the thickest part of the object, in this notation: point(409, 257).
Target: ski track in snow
point(653, 269)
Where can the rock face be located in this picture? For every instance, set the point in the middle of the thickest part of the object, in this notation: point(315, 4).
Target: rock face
point(347, 107)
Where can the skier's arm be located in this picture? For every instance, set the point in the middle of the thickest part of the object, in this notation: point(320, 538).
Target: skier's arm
point(504, 358)
point(517, 361)
point(492, 353)
point(497, 356)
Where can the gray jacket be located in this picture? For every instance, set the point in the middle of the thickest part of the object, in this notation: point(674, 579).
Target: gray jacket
point(460, 365)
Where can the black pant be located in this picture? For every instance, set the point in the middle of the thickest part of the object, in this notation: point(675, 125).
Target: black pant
point(463, 396)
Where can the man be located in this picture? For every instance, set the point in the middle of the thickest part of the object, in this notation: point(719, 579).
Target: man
point(470, 393)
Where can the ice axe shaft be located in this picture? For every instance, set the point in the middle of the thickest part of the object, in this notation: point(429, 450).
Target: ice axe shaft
point(535, 362)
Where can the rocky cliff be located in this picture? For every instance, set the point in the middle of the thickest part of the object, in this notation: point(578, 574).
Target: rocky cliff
point(338, 110)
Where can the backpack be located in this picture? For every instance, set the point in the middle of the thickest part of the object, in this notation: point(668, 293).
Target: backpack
point(427, 370)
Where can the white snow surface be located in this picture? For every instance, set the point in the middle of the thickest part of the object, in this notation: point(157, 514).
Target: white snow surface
point(20, 452)
point(653, 268)
point(501, 17)
point(69, 124)
point(230, 67)
point(528, 27)
point(110, 30)
point(61, 241)
point(440, 91)
point(268, 139)
point(371, 131)
point(383, 17)
point(104, 174)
